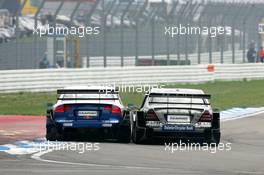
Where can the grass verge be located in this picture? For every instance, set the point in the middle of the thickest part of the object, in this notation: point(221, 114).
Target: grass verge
point(224, 95)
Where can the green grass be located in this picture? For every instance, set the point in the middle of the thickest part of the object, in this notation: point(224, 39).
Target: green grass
point(224, 95)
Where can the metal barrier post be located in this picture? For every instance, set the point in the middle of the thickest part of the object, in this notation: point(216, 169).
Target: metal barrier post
point(209, 25)
point(234, 20)
point(17, 29)
point(35, 36)
point(179, 21)
point(166, 16)
point(225, 14)
point(122, 32)
point(153, 41)
point(171, 15)
point(244, 21)
point(199, 41)
point(103, 17)
point(88, 22)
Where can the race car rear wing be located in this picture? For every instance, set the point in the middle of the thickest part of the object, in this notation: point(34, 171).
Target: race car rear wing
point(191, 96)
point(206, 96)
point(88, 91)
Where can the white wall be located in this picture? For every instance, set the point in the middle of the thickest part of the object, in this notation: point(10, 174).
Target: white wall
point(52, 79)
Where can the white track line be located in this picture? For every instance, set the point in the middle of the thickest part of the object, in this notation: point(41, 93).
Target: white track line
point(37, 156)
point(243, 116)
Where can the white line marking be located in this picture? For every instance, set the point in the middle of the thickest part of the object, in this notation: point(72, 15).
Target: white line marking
point(243, 116)
point(37, 156)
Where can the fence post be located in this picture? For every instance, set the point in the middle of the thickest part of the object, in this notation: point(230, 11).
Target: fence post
point(209, 25)
point(17, 30)
point(244, 21)
point(259, 41)
point(237, 14)
point(199, 41)
point(137, 16)
point(122, 32)
point(167, 19)
point(190, 16)
point(153, 41)
point(226, 13)
point(179, 21)
point(35, 36)
point(103, 17)
point(136, 43)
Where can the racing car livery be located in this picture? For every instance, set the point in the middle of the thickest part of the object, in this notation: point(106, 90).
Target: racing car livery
point(88, 111)
point(176, 113)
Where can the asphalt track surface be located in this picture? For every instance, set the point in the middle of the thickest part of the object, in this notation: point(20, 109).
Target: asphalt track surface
point(245, 157)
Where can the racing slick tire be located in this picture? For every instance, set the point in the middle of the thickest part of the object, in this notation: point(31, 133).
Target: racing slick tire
point(124, 135)
point(213, 137)
point(137, 135)
point(52, 134)
point(216, 138)
point(138, 131)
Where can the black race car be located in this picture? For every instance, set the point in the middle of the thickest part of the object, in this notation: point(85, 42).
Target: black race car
point(176, 113)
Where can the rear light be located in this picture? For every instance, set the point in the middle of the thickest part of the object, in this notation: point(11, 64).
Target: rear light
point(62, 108)
point(113, 109)
point(206, 117)
point(116, 110)
point(151, 116)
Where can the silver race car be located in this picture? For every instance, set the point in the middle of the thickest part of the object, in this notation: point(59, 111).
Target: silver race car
point(176, 113)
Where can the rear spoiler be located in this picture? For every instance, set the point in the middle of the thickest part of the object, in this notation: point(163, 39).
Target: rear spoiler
point(87, 99)
point(88, 91)
point(198, 109)
point(207, 96)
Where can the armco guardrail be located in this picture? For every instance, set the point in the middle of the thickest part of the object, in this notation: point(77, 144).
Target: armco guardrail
point(52, 79)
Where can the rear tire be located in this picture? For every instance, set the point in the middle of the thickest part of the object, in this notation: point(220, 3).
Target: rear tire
point(216, 138)
point(124, 135)
point(137, 135)
point(124, 140)
point(213, 138)
point(52, 134)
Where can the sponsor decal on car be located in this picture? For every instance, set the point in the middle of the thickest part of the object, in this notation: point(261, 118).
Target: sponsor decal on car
point(169, 127)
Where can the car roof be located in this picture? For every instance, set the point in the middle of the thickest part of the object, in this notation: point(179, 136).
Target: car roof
point(176, 91)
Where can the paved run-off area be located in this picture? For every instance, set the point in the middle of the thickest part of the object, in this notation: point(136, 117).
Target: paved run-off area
point(14, 128)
